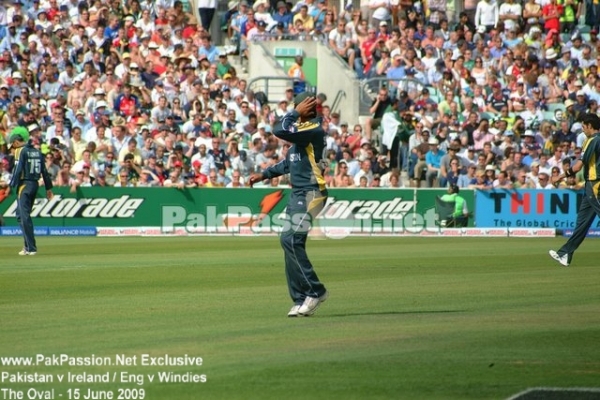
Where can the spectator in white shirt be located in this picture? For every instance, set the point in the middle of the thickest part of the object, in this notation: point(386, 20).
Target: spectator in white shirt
point(509, 13)
point(486, 14)
point(365, 170)
point(544, 182)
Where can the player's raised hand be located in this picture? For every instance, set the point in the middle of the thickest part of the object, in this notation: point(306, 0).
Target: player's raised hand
point(307, 107)
point(255, 178)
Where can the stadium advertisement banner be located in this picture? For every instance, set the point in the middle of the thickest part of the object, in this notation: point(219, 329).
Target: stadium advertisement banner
point(52, 231)
point(230, 210)
point(333, 234)
point(591, 233)
point(528, 208)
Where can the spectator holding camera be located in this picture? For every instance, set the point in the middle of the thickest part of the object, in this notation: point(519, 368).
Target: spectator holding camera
point(132, 149)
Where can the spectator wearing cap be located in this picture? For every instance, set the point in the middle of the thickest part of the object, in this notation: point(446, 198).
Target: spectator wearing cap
point(572, 86)
point(239, 159)
point(282, 15)
point(35, 133)
point(259, 32)
point(581, 103)
point(435, 76)
point(5, 98)
point(446, 165)
point(124, 67)
point(172, 127)
point(532, 151)
point(433, 160)
point(91, 130)
point(534, 39)
point(95, 103)
point(223, 65)
point(543, 181)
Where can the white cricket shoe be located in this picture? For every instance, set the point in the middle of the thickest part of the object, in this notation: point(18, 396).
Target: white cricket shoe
point(294, 311)
point(563, 260)
point(311, 304)
point(27, 253)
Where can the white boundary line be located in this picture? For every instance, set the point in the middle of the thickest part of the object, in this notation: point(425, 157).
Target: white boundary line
point(554, 389)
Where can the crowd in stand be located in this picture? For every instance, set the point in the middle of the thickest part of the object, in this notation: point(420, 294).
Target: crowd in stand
point(135, 92)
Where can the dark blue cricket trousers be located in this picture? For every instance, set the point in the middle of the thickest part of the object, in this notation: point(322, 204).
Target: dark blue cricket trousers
point(26, 194)
point(588, 210)
point(303, 206)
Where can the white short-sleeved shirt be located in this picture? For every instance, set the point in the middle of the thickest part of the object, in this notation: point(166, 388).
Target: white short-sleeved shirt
point(381, 13)
point(340, 39)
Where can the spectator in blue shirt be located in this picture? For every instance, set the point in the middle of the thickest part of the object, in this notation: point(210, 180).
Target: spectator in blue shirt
point(433, 158)
point(112, 30)
point(281, 15)
point(396, 72)
point(208, 49)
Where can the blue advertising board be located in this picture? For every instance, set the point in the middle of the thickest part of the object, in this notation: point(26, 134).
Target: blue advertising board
point(52, 231)
point(528, 208)
point(591, 233)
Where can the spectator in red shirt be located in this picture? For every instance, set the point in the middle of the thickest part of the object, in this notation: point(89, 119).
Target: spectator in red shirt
point(552, 13)
point(126, 103)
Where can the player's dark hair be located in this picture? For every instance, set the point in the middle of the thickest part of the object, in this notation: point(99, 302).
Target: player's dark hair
point(591, 119)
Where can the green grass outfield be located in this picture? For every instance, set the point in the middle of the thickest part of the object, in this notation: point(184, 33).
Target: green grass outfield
point(407, 318)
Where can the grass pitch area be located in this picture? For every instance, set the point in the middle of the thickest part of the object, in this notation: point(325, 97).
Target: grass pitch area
point(407, 318)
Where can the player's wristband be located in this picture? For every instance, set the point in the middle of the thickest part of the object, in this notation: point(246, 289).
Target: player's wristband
point(569, 172)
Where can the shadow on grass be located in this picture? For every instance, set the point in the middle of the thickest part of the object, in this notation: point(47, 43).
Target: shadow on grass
point(397, 313)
